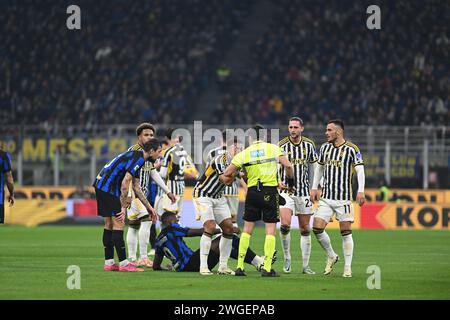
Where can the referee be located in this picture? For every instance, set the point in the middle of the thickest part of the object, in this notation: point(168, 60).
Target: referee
point(260, 161)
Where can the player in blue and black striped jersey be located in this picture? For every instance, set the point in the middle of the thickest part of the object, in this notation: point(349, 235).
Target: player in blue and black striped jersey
point(113, 198)
point(5, 175)
point(170, 244)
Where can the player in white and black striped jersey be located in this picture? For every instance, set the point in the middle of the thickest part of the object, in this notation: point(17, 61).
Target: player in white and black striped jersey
point(301, 152)
point(212, 207)
point(231, 193)
point(172, 170)
point(338, 159)
point(138, 217)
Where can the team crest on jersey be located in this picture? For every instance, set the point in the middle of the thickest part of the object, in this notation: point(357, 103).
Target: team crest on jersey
point(266, 198)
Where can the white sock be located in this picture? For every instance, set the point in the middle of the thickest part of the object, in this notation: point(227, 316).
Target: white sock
point(325, 242)
point(205, 246)
point(257, 260)
point(225, 246)
point(286, 244)
point(347, 246)
point(109, 262)
point(144, 236)
point(124, 263)
point(305, 245)
point(132, 238)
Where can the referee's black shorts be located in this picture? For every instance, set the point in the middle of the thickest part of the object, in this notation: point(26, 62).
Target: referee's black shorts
point(262, 205)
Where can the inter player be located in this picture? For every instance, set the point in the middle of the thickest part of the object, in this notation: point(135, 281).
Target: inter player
point(172, 170)
point(337, 160)
point(170, 244)
point(138, 217)
point(212, 207)
point(5, 175)
point(231, 193)
point(112, 193)
point(262, 201)
point(301, 152)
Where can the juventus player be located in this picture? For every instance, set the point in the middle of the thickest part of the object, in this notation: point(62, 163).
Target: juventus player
point(301, 152)
point(212, 208)
point(172, 170)
point(231, 193)
point(337, 160)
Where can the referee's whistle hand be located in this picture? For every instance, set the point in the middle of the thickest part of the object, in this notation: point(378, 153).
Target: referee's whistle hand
point(360, 198)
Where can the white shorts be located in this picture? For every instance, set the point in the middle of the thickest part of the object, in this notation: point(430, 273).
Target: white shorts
point(163, 204)
point(233, 204)
point(212, 209)
point(298, 205)
point(342, 208)
point(137, 210)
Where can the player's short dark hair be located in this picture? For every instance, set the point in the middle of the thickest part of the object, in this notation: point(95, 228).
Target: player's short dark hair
point(144, 126)
point(337, 122)
point(258, 132)
point(296, 119)
point(152, 144)
point(166, 216)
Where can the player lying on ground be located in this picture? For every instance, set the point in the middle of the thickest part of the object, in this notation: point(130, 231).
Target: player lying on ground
point(170, 244)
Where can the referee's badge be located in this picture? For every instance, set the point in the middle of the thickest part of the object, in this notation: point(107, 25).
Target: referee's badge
point(266, 198)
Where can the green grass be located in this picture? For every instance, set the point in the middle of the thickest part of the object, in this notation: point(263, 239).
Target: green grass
point(33, 264)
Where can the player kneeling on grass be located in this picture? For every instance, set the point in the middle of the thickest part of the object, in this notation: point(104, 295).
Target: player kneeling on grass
point(111, 190)
point(170, 244)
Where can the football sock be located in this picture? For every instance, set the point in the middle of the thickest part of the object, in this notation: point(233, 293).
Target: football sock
point(153, 235)
point(325, 242)
point(205, 246)
point(286, 241)
point(305, 245)
point(243, 246)
point(269, 249)
point(144, 235)
point(108, 244)
point(132, 238)
point(225, 250)
point(119, 244)
point(347, 246)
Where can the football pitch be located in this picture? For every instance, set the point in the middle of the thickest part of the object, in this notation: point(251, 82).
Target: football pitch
point(413, 265)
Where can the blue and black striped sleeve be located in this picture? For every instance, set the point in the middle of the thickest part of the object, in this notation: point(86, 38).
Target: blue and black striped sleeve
point(7, 163)
point(136, 163)
point(179, 230)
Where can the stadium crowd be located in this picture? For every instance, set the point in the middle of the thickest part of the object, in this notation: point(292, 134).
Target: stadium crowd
point(152, 59)
point(319, 60)
point(130, 60)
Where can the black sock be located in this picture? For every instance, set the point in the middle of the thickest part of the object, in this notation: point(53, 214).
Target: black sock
point(235, 251)
point(153, 235)
point(108, 244)
point(119, 244)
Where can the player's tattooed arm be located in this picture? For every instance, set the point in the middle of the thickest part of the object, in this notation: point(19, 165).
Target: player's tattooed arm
point(125, 199)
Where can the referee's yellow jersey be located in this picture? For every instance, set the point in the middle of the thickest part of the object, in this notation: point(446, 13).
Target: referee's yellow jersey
point(260, 160)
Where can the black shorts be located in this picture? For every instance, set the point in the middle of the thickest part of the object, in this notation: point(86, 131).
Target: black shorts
point(2, 213)
point(107, 204)
point(193, 264)
point(262, 205)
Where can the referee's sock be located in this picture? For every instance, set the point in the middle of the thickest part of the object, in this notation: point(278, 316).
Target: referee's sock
point(269, 249)
point(243, 246)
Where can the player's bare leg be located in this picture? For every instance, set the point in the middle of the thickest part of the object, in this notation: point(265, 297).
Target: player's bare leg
point(225, 246)
point(108, 246)
point(305, 241)
point(205, 245)
point(285, 234)
point(347, 246)
point(324, 240)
